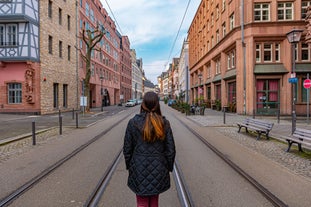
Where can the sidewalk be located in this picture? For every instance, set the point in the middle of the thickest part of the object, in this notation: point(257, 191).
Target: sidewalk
point(216, 119)
point(272, 149)
point(15, 126)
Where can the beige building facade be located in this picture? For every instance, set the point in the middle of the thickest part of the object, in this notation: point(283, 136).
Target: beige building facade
point(240, 57)
point(58, 56)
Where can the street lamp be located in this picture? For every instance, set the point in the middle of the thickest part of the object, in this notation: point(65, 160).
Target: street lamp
point(101, 90)
point(293, 38)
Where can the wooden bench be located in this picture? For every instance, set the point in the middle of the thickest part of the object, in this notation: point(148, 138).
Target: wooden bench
point(260, 126)
point(300, 136)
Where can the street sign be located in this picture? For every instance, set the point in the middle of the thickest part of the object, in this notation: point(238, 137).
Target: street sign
point(307, 83)
point(293, 80)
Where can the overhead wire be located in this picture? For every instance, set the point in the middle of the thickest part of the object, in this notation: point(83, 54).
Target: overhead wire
point(114, 17)
point(182, 21)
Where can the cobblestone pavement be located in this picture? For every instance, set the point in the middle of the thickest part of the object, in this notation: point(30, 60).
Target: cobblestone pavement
point(272, 149)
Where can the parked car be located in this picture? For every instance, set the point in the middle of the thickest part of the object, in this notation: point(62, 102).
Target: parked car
point(171, 102)
point(130, 102)
point(139, 101)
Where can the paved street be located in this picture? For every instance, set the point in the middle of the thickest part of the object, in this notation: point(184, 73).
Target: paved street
point(20, 125)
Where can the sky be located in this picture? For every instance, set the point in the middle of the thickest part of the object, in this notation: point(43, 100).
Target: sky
point(152, 27)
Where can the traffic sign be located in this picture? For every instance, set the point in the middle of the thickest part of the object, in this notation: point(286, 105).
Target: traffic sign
point(293, 80)
point(307, 83)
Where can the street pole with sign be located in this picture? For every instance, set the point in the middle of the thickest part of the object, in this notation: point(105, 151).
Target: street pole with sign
point(293, 37)
point(307, 85)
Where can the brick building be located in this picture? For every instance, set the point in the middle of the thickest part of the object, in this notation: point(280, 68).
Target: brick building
point(41, 64)
point(38, 62)
point(240, 57)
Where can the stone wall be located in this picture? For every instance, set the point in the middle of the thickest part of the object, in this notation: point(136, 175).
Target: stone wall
point(56, 69)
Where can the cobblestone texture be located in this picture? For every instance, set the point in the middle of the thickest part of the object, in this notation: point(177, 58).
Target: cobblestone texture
point(16, 148)
point(272, 149)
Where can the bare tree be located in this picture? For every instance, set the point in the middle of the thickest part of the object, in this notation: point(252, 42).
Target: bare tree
point(90, 39)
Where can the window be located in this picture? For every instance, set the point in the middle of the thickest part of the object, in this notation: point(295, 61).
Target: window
point(11, 34)
point(50, 9)
point(8, 35)
point(267, 95)
point(267, 54)
point(65, 95)
point(231, 60)
point(14, 93)
point(68, 22)
point(218, 92)
point(55, 95)
point(231, 22)
point(269, 51)
point(50, 44)
point(217, 12)
point(232, 92)
point(218, 66)
point(261, 12)
point(277, 52)
point(60, 16)
point(304, 7)
point(92, 15)
point(305, 55)
point(69, 52)
point(258, 53)
point(2, 34)
point(217, 36)
point(60, 47)
point(224, 29)
point(87, 9)
point(285, 11)
point(223, 5)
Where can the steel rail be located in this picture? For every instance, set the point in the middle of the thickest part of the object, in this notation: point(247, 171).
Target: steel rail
point(22, 189)
point(264, 191)
point(103, 183)
point(182, 190)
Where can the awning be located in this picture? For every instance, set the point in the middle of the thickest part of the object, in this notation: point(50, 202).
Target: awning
point(208, 81)
point(270, 69)
point(230, 74)
point(216, 78)
point(303, 67)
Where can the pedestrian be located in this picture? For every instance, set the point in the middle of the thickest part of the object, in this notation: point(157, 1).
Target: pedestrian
point(149, 152)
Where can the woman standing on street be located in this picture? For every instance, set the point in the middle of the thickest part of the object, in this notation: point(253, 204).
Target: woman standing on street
point(149, 152)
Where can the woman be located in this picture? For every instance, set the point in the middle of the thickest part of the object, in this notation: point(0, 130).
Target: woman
point(149, 152)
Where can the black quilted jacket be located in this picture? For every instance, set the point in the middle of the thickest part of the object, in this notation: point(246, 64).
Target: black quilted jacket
point(148, 164)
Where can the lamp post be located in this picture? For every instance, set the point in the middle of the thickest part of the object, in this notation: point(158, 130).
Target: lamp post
point(101, 91)
point(293, 38)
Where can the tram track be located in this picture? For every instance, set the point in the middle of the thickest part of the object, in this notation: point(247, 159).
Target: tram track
point(274, 200)
point(35, 180)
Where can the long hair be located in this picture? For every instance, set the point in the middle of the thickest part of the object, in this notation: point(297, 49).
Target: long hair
point(153, 128)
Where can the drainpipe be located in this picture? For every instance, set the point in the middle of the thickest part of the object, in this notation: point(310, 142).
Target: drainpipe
point(77, 62)
point(244, 57)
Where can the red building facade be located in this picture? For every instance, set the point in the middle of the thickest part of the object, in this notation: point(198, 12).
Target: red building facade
point(244, 61)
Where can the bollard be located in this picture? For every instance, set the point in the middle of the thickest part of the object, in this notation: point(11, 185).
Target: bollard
point(60, 125)
point(278, 115)
point(33, 133)
point(77, 122)
point(73, 113)
point(224, 110)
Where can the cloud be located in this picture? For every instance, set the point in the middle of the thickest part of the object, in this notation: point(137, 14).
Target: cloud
point(152, 28)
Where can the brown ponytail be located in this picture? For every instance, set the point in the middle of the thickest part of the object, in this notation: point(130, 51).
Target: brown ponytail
point(153, 128)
